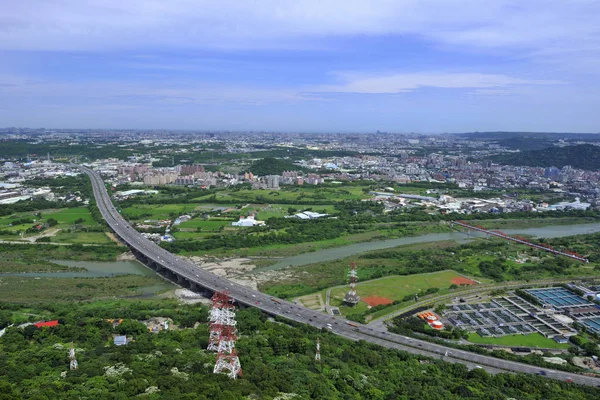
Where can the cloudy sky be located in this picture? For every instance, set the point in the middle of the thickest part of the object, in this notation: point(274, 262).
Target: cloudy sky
point(302, 65)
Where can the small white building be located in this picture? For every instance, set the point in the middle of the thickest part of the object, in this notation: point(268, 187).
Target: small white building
point(309, 215)
point(248, 221)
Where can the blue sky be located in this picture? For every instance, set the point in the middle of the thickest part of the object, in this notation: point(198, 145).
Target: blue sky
point(337, 65)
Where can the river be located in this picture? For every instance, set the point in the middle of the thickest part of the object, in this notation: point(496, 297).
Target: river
point(102, 269)
point(94, 269)
point(552, 231)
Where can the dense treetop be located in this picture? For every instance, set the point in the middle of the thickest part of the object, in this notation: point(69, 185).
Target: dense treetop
point(276, 358)
point(584, 156)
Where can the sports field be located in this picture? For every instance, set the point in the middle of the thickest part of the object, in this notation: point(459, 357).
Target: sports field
point(390, 289)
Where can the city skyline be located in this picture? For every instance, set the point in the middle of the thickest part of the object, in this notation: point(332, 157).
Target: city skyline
point(427, 66)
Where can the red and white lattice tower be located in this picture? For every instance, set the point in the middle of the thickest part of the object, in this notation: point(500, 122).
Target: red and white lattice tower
point(223, 334)
point(221, 315)
point(72, 361)
point(351, 297)
point(318, 353)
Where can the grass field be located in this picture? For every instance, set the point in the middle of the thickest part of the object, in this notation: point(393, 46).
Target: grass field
point(157, 211)
point(291, 193)
point(531, 340)
point(81, 237)
point(208, 225)
point(393, 288)
point(40, 290)
point(68, 216)
point(65, 217)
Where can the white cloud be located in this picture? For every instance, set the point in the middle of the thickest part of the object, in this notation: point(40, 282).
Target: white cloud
point(397, 83)
point(112, 24)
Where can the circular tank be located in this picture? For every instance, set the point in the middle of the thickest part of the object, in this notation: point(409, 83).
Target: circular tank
point(437, 325)
point(432, 318)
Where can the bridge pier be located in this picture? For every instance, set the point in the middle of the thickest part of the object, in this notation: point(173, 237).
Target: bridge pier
point(183, 282)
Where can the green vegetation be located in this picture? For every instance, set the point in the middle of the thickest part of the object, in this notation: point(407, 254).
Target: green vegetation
point(53, 290)
point(293, 195)
point(584, 156)
point(81, 237)
point(276, 358)
point(142, 212)
point(531, 340)
point(525, 143)
point(497, 259)
point(15, 263)
point(397, 289)
point(272, 166)
point(57, 252)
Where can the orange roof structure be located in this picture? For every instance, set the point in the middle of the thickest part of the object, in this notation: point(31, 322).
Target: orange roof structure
point(46, 323)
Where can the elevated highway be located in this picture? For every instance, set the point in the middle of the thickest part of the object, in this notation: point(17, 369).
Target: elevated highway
point(190, 276)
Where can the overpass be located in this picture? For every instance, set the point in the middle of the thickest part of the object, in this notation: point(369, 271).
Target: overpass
point(190, 276)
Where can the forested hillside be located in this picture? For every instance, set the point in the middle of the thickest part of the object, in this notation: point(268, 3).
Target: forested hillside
point(276, 359)
point(582, 156)
point(272, 166)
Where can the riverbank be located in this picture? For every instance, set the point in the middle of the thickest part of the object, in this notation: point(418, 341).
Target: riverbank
point(551, 231)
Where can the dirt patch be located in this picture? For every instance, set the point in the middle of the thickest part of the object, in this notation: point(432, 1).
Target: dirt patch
point(126, 257)
point(463, 281)
point(47, 233)
point(376, 301)
point(112, 237)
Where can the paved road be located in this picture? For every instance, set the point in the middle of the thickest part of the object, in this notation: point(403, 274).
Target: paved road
point(185, 271)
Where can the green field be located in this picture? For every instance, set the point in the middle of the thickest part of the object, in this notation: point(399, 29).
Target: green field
point(394, 288)
point(68, 216)
point(38, 290)
point(65, 217)
point(81, 237)
point(157, 211)
point(291, 193)
point(208, 224)
point(531, 340)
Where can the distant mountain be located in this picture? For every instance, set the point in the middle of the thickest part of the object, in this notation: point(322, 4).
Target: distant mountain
point(525, 143)
point(584, 156)
point(272, 166)
point(534, 135)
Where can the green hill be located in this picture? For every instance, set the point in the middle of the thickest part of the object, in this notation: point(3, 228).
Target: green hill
point(584, 156)
point(272, 166)
point(536, 135)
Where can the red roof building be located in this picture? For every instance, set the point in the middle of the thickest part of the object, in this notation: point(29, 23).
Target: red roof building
point(46, 323)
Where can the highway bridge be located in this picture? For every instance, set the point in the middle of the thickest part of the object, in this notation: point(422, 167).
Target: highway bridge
point(188, 275)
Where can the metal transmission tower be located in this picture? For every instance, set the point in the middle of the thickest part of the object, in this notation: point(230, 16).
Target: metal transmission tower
point(221, 316)
point(318, 353)
point(223, 334)
point(351, 297)
point(227, 358)
point(73, 362)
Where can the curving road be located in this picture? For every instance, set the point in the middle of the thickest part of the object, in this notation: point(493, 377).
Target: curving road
point(187, 274)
